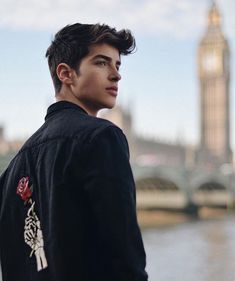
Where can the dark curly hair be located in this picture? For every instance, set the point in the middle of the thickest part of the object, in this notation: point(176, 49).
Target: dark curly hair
point(71, 44)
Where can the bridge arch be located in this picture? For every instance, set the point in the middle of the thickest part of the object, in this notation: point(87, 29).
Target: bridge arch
point(209, 182)
point(156, 191)
point(212, 190)
point(156, 183)
point(165, 175)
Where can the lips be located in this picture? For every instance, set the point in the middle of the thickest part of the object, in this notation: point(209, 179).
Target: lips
point(113, 91)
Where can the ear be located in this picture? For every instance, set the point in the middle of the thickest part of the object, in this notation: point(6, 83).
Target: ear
point(64, 73)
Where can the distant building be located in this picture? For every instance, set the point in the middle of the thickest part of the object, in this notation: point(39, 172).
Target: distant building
point(1, 133)
point(6, 146)
point(3, 143)
point(214, 78)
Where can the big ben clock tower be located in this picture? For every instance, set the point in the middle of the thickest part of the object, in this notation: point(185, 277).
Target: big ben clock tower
point(213, 64)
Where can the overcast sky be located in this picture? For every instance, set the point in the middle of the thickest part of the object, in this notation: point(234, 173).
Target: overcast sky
point(159, 84)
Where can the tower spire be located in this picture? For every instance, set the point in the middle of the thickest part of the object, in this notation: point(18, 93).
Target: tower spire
point(214, 18)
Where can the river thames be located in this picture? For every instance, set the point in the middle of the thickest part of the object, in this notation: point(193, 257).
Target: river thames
point(202, 250)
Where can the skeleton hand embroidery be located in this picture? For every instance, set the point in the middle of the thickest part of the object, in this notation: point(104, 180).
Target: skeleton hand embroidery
point(34, 238)
point(32, 229)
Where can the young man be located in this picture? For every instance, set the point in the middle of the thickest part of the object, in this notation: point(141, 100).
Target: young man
point(67, 200)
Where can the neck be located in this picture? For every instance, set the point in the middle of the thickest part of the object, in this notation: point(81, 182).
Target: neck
point(62, 97)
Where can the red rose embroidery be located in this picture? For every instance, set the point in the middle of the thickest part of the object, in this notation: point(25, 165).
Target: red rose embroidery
point(23, 189)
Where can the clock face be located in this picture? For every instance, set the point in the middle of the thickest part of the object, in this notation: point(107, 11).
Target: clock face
point(211, 62)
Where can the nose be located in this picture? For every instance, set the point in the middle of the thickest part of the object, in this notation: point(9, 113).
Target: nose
point(115, 75)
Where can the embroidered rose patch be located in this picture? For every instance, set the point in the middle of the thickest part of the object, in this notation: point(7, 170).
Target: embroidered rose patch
point(33, 236)
point(23, 189)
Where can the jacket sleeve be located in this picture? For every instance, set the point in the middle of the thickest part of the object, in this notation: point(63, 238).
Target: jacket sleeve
point(110, 187)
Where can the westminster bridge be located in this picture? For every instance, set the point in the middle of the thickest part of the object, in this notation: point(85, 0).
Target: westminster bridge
point(178, 188)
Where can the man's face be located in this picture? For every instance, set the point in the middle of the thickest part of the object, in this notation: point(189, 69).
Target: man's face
point(96, 84)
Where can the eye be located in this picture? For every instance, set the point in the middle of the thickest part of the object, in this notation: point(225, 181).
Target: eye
point(101, 62)
point(118, 66)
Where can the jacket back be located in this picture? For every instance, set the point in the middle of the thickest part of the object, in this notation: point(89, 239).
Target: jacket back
point(67, 204)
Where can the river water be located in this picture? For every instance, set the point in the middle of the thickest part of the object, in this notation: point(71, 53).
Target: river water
point(192, 251)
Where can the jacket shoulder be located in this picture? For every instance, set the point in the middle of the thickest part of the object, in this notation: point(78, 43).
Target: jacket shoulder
point(80, 127)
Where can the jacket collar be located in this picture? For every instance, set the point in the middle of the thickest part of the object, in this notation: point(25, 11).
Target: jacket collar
point(61, 105)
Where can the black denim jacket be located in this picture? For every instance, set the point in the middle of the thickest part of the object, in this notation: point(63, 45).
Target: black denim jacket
point(67, 204)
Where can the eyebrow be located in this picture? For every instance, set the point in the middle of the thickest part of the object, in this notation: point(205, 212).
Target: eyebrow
point(109, 59)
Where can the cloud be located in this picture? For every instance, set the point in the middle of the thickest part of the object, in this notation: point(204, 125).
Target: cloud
point(178, 19)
